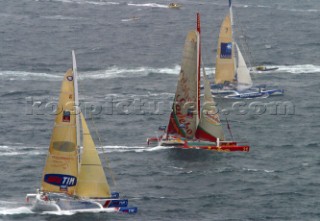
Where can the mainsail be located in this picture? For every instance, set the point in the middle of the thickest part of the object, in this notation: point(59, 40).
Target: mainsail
point(61, 168)
point(225, 63)
point(92, 181)
point(184, 116)
point(244, 81)
point(209, 127)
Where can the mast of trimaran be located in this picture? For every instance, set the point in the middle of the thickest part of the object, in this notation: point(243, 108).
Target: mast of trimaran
point(76, 104)
point(198, 66)
point(231, 14)
point(233, 41)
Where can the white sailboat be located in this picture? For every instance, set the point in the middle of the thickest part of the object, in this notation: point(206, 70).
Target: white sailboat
point(190, 126)
point(73, 177)
point(232, 78)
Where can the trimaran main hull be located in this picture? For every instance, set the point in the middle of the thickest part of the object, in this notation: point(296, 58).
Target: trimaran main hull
point(63, 202)
point(219, 146)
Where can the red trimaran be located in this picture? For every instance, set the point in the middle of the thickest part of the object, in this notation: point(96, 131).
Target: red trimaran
point(189, 127)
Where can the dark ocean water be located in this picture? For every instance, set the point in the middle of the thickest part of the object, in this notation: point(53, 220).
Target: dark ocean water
point(124, 63)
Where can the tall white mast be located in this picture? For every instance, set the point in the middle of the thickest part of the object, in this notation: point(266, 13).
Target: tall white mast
point(76, 101)
point(233, 41)
point(231, 14)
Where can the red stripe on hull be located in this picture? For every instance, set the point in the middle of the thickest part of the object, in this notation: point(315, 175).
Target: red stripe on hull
point(223, 148)
point(106, 204)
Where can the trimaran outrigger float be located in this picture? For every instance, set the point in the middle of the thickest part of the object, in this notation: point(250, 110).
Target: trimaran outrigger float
point(73, 178)
point(187, 128)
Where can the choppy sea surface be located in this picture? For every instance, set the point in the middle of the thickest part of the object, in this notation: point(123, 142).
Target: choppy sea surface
point(128, 55)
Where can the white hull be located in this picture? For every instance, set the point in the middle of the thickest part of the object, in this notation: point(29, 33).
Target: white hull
point(41, 205)
point(60, 202)
point(222, 92)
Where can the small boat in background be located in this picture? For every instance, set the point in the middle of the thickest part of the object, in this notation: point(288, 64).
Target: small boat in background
point(174, 5)
point(264, 68)
point(73, 177)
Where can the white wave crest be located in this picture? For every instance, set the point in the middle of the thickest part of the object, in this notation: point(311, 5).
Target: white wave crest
point(102, 3)
point(27, 210)
point(14, 211)
point(61, 17)
point(152, 5)
point(112, 72)
point(22, 150)
point(87, 2)
point(137, 149)
point(299, 69)
point(31, 151)
point(157, 148)
point(258, 170)
point(23, 75)
point(278, 8)
point(118, 72)
point(72, 212)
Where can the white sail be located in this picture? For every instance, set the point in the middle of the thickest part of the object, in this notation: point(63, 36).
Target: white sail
point(210, 127)
point(244, 81)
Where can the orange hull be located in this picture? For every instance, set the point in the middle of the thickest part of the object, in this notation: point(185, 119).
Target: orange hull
point(227, 147)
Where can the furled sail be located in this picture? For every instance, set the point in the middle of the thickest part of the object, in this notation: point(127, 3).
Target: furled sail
point(61, 168)
point(92, 180)
point(209, 127)
point(225, 63)
point(243, 74)
point(184, 116)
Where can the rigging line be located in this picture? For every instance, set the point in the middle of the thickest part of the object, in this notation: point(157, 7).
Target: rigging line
point(229, 128)
point(204, 69)
point(205, 79)
point(244, 43)
point(106, 159)
point(104, 153)
point(79, 152)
